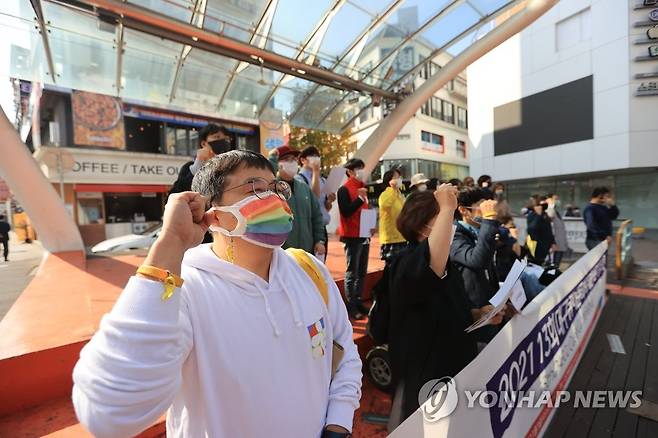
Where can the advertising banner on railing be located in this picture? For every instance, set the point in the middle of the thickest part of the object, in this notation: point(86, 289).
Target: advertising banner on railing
point(516, 383)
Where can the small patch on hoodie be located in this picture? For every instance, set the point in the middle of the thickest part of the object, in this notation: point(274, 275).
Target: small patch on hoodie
point(318, 338)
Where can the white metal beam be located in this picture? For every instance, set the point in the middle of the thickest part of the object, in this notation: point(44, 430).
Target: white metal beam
point(43, 30)
point(385, 133)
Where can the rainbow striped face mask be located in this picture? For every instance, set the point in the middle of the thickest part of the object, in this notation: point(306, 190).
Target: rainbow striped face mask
point(264, 222)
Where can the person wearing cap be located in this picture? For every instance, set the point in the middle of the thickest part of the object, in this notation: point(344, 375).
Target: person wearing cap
point(390, 205)
point(310, 160)
point(352, 198)
point(419, 182)
point(307, 228)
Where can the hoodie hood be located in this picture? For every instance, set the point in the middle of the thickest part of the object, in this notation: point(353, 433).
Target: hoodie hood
point(246, 282)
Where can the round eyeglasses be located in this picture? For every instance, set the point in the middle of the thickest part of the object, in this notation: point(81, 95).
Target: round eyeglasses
point(263, 188)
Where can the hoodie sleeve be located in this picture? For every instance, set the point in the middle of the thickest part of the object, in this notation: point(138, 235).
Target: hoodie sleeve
point(129, 372)
point(345, 388)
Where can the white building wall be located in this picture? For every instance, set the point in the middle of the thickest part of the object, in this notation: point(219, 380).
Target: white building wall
point(625, 127)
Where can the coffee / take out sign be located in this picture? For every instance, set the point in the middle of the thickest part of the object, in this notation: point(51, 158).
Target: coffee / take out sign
point(109, 167)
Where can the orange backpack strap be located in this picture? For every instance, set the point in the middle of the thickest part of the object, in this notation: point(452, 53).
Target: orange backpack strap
point(308, 265)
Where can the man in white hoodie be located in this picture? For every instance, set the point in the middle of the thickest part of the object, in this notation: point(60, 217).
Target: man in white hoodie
point(244, 347)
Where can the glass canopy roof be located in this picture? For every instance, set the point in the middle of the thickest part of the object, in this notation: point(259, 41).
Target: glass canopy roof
point(381, 43)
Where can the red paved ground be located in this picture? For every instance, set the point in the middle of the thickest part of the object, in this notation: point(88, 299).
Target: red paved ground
point(60, 310)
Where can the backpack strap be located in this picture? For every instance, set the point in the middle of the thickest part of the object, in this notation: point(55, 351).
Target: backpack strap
point(308, 265)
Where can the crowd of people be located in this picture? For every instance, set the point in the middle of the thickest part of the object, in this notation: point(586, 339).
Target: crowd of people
point(250, 322)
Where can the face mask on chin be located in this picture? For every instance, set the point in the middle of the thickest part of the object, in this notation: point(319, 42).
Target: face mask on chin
point(264, 222)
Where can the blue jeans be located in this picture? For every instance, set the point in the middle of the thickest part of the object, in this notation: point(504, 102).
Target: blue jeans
point(356, 255)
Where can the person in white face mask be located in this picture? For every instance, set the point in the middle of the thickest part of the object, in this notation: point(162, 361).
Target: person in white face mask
point(310, 162)
point(352, 198)
point(308, 229)
point(390, 205)
point(419, 182)
point(231, 338)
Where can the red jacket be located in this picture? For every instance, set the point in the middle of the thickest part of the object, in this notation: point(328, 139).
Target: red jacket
point(350, 206)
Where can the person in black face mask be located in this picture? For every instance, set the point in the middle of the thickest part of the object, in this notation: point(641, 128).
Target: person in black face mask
point(213, 140)
point(539, 230)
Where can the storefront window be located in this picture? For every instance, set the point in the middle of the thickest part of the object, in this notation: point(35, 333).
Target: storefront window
point(90, 208)
point(431, 169)
point(180, 140)
point(407, 167)
point(450, 171)
point(133, 207)
point(142, 135)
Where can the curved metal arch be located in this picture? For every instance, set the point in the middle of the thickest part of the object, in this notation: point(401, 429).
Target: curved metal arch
point(483, 20)
point(385, 133)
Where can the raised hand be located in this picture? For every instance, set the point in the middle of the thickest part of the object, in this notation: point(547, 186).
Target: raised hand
point(488, 209)
point(446, 196)
point(185, 220)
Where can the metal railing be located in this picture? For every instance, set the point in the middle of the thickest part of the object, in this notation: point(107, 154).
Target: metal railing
point(623, 249)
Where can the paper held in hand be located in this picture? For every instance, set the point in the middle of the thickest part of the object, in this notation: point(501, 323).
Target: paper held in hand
point(501, 297)
point(368, 222)
point(334, 180)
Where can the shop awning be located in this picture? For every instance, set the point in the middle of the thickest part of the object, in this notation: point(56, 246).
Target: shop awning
point(121, 188)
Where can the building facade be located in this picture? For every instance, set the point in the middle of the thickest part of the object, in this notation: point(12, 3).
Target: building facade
point(113, 161)
point(571, 103)
point(435, 140)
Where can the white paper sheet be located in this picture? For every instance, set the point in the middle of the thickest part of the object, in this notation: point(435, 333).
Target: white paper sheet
point(518, 297)
point(334, 180)
point(368, 221)
point(501, 297)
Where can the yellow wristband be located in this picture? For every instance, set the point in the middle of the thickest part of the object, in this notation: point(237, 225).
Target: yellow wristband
point(171, 281)
point(490, 216)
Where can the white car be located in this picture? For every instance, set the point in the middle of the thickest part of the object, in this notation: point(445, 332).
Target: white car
point(130, 241)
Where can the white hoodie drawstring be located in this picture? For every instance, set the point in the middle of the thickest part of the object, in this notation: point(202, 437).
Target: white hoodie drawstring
point(293, 304)
point(268, 310)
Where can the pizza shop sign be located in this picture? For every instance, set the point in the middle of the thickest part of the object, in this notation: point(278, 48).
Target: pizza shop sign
point(92, 166)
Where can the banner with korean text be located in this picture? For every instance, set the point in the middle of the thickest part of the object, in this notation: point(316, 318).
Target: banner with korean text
point(513, 387)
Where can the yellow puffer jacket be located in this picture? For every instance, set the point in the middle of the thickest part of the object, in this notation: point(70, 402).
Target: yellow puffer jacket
point(390, 205)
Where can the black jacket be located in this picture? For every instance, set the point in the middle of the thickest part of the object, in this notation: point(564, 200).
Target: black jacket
point(428, 317)
point(473, 257)
point(4, 230)
point(539, 229)
point(184, 181)
point(184, 184)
